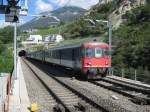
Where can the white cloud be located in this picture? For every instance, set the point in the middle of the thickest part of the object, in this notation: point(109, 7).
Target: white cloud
point(61, 2)
point(80, 3)
point(84, 3)
point(42, 6)
point(45, 5)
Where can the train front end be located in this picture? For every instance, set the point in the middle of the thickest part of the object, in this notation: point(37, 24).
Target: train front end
point(95, 60)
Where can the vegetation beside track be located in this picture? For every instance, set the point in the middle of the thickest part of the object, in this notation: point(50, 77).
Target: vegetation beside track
point(6, 49)
point(132, 43)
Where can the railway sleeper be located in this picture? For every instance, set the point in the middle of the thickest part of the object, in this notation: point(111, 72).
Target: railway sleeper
point(63, 92)
point(70, 99)
point(126, 85)
point(140, 100)
point(71, 104)
point(58, 108)
point(84, 107)
point(51, 102)
point(67, 97)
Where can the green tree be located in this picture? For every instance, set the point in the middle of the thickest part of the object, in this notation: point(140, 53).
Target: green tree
point(6, 34)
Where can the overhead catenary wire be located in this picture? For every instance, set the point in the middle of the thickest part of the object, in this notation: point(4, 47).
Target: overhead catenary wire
point(13, 2)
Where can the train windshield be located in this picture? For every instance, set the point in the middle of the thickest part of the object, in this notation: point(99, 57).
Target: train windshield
point(96, 52)
point(89, 52)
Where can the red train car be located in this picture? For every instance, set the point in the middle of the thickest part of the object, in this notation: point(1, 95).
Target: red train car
point(96, 60)
point(92, 60)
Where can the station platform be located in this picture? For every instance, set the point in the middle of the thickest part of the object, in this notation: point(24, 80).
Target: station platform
point(130, 81)
point(19, 100)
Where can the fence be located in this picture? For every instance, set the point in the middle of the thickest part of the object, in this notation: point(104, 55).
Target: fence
point(5, 79)
point(133, 74)
point(6, 85)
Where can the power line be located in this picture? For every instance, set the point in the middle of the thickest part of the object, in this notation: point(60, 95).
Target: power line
point(13, 2)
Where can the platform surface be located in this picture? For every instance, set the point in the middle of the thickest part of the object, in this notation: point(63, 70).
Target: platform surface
point(19, 100)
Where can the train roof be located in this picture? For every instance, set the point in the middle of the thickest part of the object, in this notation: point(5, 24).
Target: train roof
point(92, 44)
point(101, 45)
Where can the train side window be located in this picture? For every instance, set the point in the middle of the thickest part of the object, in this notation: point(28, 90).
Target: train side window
point(98, 52)
point(57, 54)
point(67, 54)
point(50, 54)
point(106, 52)
point(76, 53)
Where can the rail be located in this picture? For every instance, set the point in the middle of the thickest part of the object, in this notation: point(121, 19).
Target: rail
point(80, 95)
point(140, 96)
point(133, 74)
point(102, 102)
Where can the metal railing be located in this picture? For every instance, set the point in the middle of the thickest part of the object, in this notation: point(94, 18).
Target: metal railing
point(133, 74)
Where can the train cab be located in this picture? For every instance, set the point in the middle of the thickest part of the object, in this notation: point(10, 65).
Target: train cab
point(95, 60)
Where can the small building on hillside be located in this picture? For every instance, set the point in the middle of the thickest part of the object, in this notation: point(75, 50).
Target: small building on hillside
point(33, 40)
point(55, 38)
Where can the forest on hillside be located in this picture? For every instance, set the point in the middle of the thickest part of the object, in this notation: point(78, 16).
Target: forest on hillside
point(132, 41)
point(6, 50)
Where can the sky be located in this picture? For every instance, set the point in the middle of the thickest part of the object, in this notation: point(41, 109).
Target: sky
point(38, 6)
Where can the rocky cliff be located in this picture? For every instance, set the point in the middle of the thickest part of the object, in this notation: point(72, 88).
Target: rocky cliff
point(122, 8)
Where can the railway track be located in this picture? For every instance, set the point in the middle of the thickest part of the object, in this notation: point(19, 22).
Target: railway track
point(130, 83)
point(37, 92)
point(100, 95)
point(89, 90)
point(143, 89)
point(138, 95)
point(66, 97)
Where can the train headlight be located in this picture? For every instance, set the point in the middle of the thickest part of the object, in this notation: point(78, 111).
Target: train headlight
point(89, 63)
point(107, 62)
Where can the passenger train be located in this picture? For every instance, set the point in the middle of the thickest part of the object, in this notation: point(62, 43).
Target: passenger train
point(91, 60)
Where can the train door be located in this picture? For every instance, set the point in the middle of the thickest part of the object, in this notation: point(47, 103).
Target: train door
point(59, 56)
point(76, 58)
point(43, 56)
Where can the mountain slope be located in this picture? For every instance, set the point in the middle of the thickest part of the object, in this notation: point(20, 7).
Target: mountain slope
point(132, 51)
point(123, 7)
point(65, 14)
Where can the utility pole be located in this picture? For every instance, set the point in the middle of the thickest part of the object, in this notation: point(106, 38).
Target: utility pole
point(26, 3)
point(15, 50)
point(1, 2)
point(13, 17)
point(110, 37)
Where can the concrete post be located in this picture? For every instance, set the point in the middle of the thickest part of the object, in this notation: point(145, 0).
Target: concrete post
point(112, 72)
point(135, 77)
point(122, 73)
